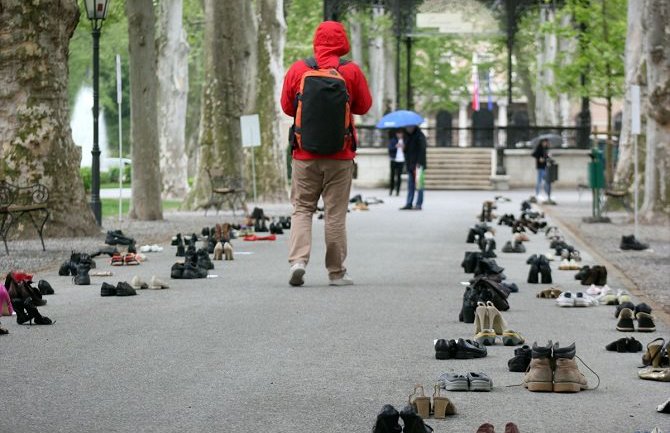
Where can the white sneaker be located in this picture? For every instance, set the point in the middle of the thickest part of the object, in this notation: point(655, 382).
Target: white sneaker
point(566, 299)
point(593, 290)
point(156, 248)
point(344, 281)
point(584, 300)
point(145, 249)
point(138, 283)
point(297, 274)
point(157, 284)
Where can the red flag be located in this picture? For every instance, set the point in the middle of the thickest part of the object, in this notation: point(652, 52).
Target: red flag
point(475, 88)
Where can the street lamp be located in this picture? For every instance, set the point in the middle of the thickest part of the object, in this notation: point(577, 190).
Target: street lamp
point(97, 12)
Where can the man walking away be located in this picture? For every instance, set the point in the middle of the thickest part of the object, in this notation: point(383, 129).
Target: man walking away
point(322, 93)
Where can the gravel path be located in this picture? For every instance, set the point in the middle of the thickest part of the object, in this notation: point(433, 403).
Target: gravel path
point(648, 270)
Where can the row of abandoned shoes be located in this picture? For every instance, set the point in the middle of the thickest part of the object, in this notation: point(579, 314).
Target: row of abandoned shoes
point(25, 298)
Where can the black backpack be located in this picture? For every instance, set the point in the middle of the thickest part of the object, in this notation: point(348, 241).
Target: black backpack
point(322, 121)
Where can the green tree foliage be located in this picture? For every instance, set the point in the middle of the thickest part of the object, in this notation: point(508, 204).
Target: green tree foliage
point(113, 41)
point(302, 18)
point(600, 50)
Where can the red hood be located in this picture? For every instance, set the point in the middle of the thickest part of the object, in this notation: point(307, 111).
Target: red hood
point(330, 43)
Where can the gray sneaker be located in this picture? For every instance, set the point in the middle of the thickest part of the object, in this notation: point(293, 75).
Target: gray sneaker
point(297, 274)
point(480, 382)
point(453, 382)
point(344, 281)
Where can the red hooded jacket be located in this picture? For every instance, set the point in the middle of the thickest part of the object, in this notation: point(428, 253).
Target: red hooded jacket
point(330, 43)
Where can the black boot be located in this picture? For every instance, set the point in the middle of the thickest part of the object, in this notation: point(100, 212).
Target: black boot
point(82, 278)
point(177, 271)
point(533, 274)
point(45, 288)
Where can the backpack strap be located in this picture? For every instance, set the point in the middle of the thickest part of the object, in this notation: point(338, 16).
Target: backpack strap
point(311, 62)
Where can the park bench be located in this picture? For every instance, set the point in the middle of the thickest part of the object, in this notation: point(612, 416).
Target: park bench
point(15, 202)
point(226, 190)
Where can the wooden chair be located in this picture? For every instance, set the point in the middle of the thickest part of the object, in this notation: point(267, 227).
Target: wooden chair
point(226, 190)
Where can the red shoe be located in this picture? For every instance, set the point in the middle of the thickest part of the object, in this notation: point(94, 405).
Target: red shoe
point(130, 259)
point(117, 260)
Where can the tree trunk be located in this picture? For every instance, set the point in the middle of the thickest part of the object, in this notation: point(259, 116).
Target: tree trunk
point(545, 105)
point(172, 98)
point(566, 46)
point(356, 36)
point(229, 52)
point(35, 137)
point(390, 102)
point(624, 170)
point(146, 200)
point(271, 176)
point(377, 64)
point(657, 57)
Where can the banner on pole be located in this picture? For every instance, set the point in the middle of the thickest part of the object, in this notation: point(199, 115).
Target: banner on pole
point(635, 109)
point(251, 130)
point(118, 79)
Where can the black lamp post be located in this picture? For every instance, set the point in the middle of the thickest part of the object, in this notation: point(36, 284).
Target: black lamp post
point(97, 12)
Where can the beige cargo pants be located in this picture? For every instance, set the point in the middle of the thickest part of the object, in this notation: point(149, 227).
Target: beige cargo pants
point(330, 179)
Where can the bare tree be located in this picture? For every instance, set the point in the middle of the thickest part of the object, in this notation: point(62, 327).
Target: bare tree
point(172, 97)
point(146, 176)
point(656, 19)
point(229, 51)
point(35, 138)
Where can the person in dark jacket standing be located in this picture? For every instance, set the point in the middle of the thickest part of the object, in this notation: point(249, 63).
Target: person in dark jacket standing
point(541, 155)
point(326, 176)
point(397, 156)
point(415, 158)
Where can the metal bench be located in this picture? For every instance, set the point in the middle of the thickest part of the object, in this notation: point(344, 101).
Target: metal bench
point(15, 202)
point(225, 190)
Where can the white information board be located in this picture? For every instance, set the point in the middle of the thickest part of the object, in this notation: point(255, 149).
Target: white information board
point(635, 109)
point(251, 130)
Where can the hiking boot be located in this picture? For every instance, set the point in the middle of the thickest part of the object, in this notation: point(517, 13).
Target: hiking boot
point(468, 349)
point(413, 422)
point(387, 421)
point(192, 271)
point(107, 290)
point(297, 272)
point(567, 377)
point(521, 359)
point(82, 278)
point(630, 243)
point(125, 289)
point(625, 323)
point(539, 377)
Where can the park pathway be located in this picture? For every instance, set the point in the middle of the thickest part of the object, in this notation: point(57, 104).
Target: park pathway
point(245, 352)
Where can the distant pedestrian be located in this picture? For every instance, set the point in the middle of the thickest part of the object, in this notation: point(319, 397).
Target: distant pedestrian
point(397, 155)
point(541, 155)
point(415, 160)
point(318, 92)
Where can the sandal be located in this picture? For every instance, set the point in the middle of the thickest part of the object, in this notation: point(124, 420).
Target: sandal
point(654, 353)
point(442, 406)
point(419, 402)
point(130, 259)
point(117, 260)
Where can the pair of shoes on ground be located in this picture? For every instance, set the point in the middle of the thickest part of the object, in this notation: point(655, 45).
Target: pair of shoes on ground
point(138, 284)
point(568, 265)
point(630, 243)
point(553, 368)
point(510, 427)
point(116, 237)
point(297, 277)
point(626, 323)
point(551, 293)
point(624, 345)
point(439, 407)
point(388, 421)
point(539, 265)
point(471, 381)
point(489, 324)
point(579, 299)
point(592, 275)
point(516, 248)
point(122, 288)
point(26, 311)
point(128, 259)
point(223, 250)
point(151, 248)
point(639, 308)
point(459, 349)
point(187, 271)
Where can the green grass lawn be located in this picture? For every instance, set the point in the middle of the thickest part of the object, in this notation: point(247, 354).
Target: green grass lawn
point(112, 185)
point(110, 206)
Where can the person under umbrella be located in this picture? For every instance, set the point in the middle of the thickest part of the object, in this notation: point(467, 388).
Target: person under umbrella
point(415, 160)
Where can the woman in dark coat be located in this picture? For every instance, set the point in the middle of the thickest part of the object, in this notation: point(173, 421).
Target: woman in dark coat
point(541, 155)
point(415, 158)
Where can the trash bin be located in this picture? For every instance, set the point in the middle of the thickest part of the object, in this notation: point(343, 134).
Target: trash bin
point(597, 169)
point(552, 171)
